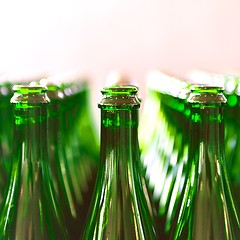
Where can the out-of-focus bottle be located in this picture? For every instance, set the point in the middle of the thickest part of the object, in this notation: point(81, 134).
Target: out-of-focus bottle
point(6, 134)
point(119, 209)
point(73, 146)
point(30, 209)
point(207, 210)
point(164, 138)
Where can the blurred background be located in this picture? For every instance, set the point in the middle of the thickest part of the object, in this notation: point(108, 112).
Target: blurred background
point(134, 37)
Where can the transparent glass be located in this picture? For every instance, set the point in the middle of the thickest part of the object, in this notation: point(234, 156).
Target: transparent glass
point(164, 140)
point(72, 150)
point(207, 211)
point(81, 151)
point(119, 209)
point(30, 209)
point(58, 161)
point(6, 134)
point(231, 83)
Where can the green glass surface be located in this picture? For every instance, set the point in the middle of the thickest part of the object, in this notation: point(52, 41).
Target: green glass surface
point(81, 148)
point(164, 139)
point(207, 210)
point(6, 134)
point(6, 126)
point(119, 208)
point(73, 150)
point(30, 208)
point(231, 83)
point(58, 160)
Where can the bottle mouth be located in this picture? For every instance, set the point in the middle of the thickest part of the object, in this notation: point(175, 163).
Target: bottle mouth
point(29, 89)
point(206, 89)
point(28, 94)
point(120, 90)
point(206, 94)
point(119, 97)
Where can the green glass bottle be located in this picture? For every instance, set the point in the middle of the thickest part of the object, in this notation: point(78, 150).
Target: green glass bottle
point(164, 140)
point(6, 123)
point(85, 146)
point(61, 174)
point(30, 209)
point(80, 140)
point(119, 208)
point(231, 83)
point(207, 210)
point(71, 150)
point(80, 146)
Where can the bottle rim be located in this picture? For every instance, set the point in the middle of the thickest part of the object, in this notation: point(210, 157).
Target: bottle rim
point(206, 89)
point(120, 90)
point(29, 95)
point(119, 97)
point(29, 89)
point(206, 95)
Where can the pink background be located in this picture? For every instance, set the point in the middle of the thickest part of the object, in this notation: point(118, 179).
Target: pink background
point(133, 36)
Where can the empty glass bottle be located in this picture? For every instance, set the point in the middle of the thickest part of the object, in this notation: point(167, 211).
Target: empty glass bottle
point(207, 210)
point(30, 209)
point(231, 84)
point(58, 162)
point(164, 140)
point(80, 142)
point(72, 149)
point(7, 81)
point(119, 208)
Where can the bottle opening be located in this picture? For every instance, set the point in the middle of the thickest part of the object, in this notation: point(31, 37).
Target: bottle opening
point(119, 97)
point(120, 90)
point(206, 89)
point(206, 95)
point(29, 89)
point(28, 94)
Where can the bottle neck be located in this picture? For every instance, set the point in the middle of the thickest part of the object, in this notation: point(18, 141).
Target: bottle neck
point(207, 149)
point(118, 134)
point(119, 122)
point(207, 128)
point(30, 108)
point(30, 131)
point(29, 103)
point(31, 115)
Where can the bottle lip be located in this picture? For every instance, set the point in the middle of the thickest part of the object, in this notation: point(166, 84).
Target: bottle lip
point(120, 90)
point(206, 89)
point(206, 95)
point(119, 97)
point(29, 94)
point(29, 89)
